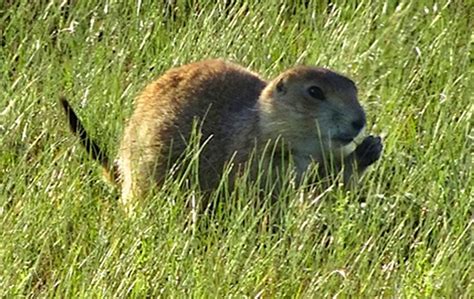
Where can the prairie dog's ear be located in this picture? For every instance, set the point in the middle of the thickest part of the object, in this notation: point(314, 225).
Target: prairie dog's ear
point(281, 85)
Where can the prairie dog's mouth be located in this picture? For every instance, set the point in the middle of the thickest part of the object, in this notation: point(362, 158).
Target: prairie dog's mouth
point(360, 137)
point(348, 144)
point(351, 144)
point(345, 139)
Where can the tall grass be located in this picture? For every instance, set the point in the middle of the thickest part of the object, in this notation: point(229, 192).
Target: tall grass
point(406, 232)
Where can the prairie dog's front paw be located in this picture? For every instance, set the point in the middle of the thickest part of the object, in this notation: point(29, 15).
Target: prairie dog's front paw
point(368, 151)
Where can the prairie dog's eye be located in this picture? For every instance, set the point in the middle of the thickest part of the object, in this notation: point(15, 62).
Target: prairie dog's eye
point(316, 93)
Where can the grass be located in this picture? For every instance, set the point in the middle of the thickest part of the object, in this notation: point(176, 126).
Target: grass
point(406, 233)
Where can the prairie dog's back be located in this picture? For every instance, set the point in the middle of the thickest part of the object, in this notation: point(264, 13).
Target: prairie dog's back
point(220, 95)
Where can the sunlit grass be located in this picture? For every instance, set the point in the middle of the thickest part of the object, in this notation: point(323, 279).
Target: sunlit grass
point(406, 232)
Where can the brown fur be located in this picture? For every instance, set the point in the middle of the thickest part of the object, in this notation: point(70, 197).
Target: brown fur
point(237, 112)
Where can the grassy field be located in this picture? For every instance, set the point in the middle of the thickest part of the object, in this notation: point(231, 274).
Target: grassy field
point(406, 233)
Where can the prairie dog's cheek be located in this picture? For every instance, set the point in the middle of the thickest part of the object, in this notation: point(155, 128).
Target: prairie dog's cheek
point(301, 106)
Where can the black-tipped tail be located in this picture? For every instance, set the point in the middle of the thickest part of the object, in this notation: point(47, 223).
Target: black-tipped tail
point(90, 145)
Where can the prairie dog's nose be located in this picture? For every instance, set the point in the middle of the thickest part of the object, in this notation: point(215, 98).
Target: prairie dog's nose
point(359, 123)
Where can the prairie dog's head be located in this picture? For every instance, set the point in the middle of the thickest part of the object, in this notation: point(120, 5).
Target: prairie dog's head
point(312, 108)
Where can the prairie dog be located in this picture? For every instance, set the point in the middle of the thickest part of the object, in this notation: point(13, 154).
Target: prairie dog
point(313, 111)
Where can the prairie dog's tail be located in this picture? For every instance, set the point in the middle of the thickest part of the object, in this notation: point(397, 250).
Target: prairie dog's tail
point(110, 171)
